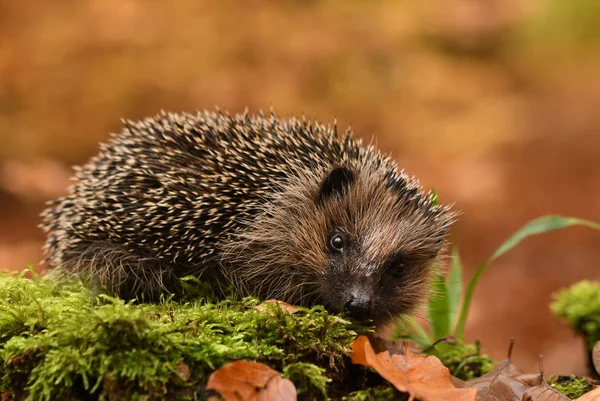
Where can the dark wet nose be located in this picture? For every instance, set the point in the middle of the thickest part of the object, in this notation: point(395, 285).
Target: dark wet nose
point(358, 306)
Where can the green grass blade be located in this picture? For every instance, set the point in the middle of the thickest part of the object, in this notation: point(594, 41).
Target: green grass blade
point(413, 331)
point(541, 225)
point(462, 319)
point(418, 329)
point(439, 306)
point(454, 286)
point(538, 226)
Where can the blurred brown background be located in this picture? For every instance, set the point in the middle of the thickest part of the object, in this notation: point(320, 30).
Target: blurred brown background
point(495, 103)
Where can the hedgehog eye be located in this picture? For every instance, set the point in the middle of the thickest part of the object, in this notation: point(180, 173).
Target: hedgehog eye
point(338, 242)
point(397, 265)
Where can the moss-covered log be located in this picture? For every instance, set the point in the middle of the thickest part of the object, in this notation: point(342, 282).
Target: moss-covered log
point(60, 341)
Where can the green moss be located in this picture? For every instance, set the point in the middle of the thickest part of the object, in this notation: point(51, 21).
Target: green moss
point(571, 386)
point(580, 305)
point(59, 341)
point(308, 378)
point(380, 393)
point(464, 361)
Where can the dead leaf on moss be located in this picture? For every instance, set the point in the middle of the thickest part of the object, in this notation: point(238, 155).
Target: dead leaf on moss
point(596, 356)
point(250, 381)
point(283, 305)
point(423, 377)
point(183, 371)
point(593, 395)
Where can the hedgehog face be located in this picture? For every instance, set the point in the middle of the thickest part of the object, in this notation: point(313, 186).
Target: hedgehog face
point(379, 247)
point(354, 243)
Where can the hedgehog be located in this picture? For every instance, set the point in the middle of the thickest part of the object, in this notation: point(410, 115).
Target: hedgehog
point(275, 208)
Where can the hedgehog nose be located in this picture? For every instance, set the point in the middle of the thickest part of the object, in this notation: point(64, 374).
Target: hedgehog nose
point(358, 306)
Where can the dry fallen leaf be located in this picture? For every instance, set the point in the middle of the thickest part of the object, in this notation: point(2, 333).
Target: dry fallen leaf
point(283, 305)
point(505, 382)
point(423, 377)
point(530, 379)
point(250, 381)
point(183, 371)
point(541, 391)
point(544, 392)
point(593, 395)
point(500, 384)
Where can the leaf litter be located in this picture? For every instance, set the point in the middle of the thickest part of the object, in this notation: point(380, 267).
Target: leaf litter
point(250, 381)
point(425, 378)
point(422, 377)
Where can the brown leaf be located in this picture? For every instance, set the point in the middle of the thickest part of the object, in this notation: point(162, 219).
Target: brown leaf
point(183, 371)
point(500, 384)
point(283, 305)
point(544, 392)
point(250, 381)
point(530, 379)
point(593, 395)
point(596, 356)
point(423, 377)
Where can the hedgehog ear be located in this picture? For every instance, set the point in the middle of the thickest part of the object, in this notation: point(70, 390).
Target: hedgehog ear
point(337, 183)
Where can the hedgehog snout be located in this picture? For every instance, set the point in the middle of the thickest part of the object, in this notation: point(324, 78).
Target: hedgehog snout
point(358, 304)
